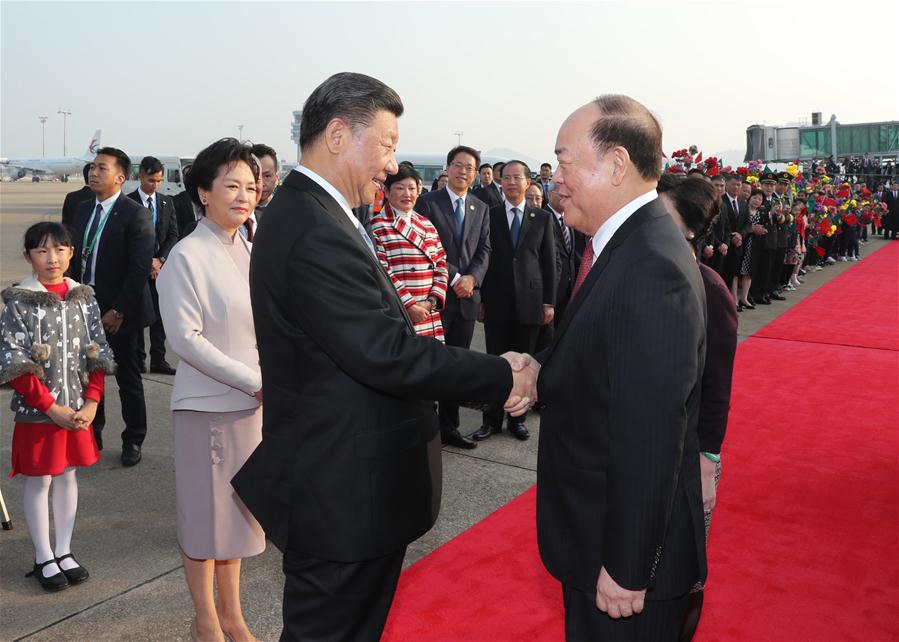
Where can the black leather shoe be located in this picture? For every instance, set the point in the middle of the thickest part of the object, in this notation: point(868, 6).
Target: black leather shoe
point(747, 306)
point(142, 367)
point(455, 438)
point(519, 431)
point(484, 432)
point(763, 301)
point(53, 583)
point(74, 575)
point(130, 454)
point(162, 367)
point(740, 307)
point(777, 297)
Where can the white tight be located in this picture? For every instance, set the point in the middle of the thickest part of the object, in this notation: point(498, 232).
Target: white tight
point(37, 516)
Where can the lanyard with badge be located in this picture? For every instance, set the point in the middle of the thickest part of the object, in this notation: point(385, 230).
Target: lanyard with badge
point(89, 249)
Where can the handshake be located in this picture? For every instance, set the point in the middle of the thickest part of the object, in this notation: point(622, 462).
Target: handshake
point(525, 371)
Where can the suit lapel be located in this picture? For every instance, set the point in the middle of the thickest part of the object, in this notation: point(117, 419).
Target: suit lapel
point(333, 208)
point(638, 218)
point(405, 228)
point(527, 217)
point(445, 205)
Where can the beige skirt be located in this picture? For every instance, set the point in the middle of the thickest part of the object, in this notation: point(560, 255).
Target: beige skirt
point(210, 447)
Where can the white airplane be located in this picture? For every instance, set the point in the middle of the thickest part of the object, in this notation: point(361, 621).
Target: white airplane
point(61, 166)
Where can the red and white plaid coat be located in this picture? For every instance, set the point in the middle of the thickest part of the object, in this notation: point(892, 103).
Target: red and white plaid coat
point(411, 252)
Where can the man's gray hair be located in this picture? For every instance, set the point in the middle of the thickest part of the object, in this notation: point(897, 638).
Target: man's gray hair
point(355, 98)
point(551, 187)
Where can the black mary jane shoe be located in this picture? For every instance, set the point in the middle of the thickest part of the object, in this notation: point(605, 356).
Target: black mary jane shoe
point(53, 583)
point(75, 575)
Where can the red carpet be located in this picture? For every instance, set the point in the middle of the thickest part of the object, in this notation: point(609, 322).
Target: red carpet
point(858, 308)
point(805, 537)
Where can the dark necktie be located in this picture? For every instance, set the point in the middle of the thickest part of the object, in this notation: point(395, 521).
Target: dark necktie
point(248, 224)
point(584, 270)
point(566, 234)
point(515, 229)
point(88, 271)
point(153, 214)
point(460, 216)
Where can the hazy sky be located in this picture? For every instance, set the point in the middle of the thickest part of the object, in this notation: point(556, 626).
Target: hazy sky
point(168, 78)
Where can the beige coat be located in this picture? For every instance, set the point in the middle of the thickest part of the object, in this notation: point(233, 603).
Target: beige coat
point(204, 302)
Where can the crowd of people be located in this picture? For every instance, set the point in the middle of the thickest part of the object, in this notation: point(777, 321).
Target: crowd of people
point(357, 320)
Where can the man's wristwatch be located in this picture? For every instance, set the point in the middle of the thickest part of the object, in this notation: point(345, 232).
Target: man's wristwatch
point(117, 314)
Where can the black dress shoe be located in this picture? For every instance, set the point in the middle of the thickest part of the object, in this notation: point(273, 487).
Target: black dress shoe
point(53, 583)
point(484, 432)
point(455, 438)
point(130, 454)
point(519, 431)
point(777, 297)
point(74, 575)
point(739, 307)
point(763, 301)
point(162, 367)
point(747, 306)
point(142, 367)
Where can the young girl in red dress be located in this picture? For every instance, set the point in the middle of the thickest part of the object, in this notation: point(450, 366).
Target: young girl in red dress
point(53, 354)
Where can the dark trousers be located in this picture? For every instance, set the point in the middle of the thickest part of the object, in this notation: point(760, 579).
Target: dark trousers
point(500, 338)
point(660, 619)
point(457, 332)
point(337, 601)
point(762, 273)
point(131, 389)
point(157, 333)
point(776, 269)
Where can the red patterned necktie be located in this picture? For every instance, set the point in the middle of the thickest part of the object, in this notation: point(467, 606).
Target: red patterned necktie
point(584, 270)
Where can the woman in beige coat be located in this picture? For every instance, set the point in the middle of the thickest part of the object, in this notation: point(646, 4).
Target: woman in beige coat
point(204, 301)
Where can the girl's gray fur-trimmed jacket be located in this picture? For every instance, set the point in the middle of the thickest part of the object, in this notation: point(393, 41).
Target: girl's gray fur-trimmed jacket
point(60, 342)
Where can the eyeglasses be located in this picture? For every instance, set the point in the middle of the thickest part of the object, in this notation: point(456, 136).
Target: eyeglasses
point(468, 169)
point(514, 177)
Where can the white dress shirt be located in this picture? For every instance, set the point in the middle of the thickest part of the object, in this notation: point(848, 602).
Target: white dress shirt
point(144, 197)
point(107, 205)
point(607, 230)
point(510, 215)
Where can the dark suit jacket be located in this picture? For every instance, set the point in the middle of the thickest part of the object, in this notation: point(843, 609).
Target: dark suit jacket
point(618, 481)
point(349, 464)
point(567, 261)
point(123, 260)
point(490, 195)
point(184, 213)
point(468, 255)
point(520, 279)
point(71, 201)
point(166, 223)
point(892, 218)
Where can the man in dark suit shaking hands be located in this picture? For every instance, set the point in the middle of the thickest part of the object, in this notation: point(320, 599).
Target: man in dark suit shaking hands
point(619, 498)
point(348, 471)
point(113, 247)
point(463, 224)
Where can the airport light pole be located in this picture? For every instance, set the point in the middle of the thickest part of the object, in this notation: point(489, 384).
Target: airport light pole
point(240, 133)
point(65, 113)
point(43, 120)
point(458, 137)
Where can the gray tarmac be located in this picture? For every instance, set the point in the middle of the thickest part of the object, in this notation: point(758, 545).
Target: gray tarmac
point(125, 533)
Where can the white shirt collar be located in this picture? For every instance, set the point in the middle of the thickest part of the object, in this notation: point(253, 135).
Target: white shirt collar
point(509, 206)
point(108, 203)
point(558, 215)
point(332, 191)
point(144, 196)
point(454, 197)
point(607, 230)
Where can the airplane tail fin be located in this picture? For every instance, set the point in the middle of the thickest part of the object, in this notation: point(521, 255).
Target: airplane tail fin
point(93, 146)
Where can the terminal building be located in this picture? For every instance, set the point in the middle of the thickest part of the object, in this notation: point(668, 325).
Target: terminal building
point(806, 142)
